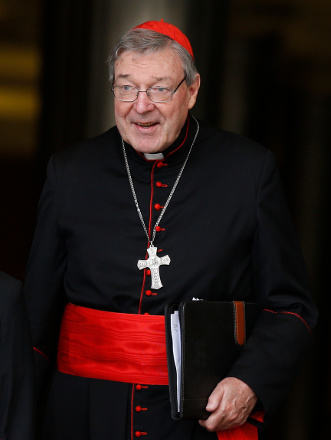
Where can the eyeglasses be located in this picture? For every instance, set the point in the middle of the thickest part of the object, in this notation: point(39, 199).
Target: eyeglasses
point(155, 94)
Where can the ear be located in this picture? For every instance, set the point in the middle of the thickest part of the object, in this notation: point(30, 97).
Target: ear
point(193, 91)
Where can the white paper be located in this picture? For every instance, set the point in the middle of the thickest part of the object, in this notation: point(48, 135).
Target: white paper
point(176, 348)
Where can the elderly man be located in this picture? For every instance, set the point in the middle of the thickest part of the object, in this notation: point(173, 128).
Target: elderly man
point(209, 204)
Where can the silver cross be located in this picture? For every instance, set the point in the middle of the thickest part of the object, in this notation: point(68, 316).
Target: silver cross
point(153, 263)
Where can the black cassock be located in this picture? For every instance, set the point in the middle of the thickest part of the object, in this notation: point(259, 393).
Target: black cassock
point(16, 364)
point(229, 236)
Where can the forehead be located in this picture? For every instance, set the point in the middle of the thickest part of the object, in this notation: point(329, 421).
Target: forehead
point(162, 64)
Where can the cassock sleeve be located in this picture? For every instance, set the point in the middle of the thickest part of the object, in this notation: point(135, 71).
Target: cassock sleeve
point(43, 289)
point(278, 344)
point(16, 365)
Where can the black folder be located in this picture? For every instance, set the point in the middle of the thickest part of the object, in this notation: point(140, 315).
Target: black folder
point(209, 337)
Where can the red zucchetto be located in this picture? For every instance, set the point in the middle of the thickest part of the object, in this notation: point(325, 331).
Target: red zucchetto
point(170, 30)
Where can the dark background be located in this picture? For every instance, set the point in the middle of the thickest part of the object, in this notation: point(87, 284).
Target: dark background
point(266, 69)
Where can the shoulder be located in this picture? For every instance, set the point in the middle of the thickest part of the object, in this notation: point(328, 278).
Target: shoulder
point(93, 149)
point(85, 157)
point(225, 143)
point(229, 153)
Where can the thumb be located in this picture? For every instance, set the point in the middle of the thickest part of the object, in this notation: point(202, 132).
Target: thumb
point(215, 398)
point(211, 405)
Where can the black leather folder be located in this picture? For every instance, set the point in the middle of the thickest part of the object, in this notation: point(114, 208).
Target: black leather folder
point(210, 336)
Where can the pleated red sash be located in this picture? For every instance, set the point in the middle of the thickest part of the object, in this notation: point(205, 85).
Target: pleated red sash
point(113, 346)
point(121, 347)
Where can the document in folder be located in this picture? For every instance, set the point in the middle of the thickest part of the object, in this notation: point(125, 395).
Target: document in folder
point(203, 341)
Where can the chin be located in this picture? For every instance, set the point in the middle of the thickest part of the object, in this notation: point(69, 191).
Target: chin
point(148, 147)
point(151, 150)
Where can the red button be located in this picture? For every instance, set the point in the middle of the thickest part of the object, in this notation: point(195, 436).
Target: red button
point(139, 387)
point(138, 408)
point(149, 293)
point(148, 272)
point(161, 164)
point(158, 229)
point(160, 185)
point(138, 434)
point(157, 206)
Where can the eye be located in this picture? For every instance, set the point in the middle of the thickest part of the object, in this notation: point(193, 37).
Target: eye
point(126, 88)
point(161, 89)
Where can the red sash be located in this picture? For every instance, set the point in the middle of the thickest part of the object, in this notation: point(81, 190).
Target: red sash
point(123, 348)
point(113, 346)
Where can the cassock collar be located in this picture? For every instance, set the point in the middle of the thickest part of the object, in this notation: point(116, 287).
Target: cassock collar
point(175, 153)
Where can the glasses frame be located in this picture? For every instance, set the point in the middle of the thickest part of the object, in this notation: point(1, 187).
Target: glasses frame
point(156, 102)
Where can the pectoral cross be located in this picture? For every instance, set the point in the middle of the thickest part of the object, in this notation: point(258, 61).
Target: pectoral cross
point(153, 263)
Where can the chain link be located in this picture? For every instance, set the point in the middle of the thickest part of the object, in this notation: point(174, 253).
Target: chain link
point(151, 240)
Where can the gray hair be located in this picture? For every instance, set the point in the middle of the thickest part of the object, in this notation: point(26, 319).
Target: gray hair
point(144, 41)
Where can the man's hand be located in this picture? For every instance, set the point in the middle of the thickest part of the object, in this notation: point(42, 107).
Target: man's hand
point(230, 404)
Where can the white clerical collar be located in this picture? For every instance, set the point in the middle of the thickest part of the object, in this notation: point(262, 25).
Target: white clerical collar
point(153, 156)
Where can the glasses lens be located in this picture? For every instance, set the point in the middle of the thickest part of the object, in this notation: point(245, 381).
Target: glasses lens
point(125, 93)
point(159, 94)
point(155, 94)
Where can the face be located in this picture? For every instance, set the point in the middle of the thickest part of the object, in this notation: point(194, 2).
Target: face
point(151, 127)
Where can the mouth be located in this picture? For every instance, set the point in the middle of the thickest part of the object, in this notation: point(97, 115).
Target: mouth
point(146, 124)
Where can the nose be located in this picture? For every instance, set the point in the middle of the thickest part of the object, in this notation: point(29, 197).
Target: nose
point(143, 104)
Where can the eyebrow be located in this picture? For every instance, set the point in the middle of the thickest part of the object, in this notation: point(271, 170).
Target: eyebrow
point(156, 78)
point(161, 78)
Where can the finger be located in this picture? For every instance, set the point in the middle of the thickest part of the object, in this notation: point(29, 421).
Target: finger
point(230, 404)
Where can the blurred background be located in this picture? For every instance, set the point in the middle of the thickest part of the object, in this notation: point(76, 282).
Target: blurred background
point(266, 74)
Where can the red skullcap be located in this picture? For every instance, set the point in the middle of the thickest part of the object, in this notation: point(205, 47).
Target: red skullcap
point(170, 30)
